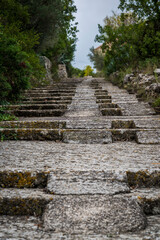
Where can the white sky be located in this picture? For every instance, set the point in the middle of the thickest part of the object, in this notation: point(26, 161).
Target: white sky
point(89, 14)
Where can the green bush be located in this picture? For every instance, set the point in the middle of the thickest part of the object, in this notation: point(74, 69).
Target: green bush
point(157, 102)
point(15, 69)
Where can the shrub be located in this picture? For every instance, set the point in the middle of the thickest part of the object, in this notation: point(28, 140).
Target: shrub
point(15, 69)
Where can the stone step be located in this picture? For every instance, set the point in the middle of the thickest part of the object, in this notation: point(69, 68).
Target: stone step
point(30, 134)
point(148, 137)
point(93, 214)
point(85, 182)
point(46, 124)
point(87, 136)
point(83, 136)
point(54, 98)
point(37, 113)
point(27, 102)
point(111, 111)
point(32, 95)
point(88, 124)
point(37, 106)
point(20, 227)
point(51, 91)
point(23, 202)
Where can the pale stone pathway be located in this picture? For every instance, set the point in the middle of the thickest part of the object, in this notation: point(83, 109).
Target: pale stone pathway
point(95, 182)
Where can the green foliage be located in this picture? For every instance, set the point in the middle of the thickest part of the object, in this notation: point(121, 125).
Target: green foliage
point(128, 41)
point(18, 61)
point(157, 102)
point(88, 71)
point(54, 21)
point(97, 58)
point(76, 72)
point(15, 69)
point(5, 116)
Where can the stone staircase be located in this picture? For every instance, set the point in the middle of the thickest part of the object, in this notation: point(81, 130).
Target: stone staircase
point(87, 166)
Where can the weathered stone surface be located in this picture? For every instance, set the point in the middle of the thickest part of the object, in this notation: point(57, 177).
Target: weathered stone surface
point(34, 124)
point(82, 175)
point(93, 214)
point(37, 156)
point(87, 137)
point(62, 72)
point(47, 64)
point(30, 134)
point(86, 182)
point(148, 137)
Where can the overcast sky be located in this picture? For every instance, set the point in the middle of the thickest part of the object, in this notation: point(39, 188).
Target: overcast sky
point(89, 14)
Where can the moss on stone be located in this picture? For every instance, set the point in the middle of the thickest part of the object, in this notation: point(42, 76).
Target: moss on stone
point(143, 179)
point(120, 124)
point(22, 207)
point(23, 179)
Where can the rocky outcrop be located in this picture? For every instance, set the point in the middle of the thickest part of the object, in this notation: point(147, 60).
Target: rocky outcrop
point(148, 82)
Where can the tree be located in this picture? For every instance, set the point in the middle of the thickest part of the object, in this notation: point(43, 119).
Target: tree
point(97, 58)
point(54, 21)
point(148, 13)
point(88, 71)
point(18, 61)
point(119, 39)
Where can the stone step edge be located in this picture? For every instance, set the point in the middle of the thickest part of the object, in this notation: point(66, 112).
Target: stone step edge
point(23, 202)
point(21, 178)
point(57, 134)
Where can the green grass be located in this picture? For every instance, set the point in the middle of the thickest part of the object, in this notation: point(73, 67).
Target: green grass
point(156, 103)
point(6, 116)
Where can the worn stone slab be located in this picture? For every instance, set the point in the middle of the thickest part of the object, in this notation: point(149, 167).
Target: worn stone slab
point(37, 106)
point(135, 109)
point(20, 228)
point(93, 214)
point(147, 123)
point(148, 137)
point(30, 134)
point(116, 157)
point(95, 123)
point(34, 124)
point(87, 182)
point(89, 136)
point(52, 98)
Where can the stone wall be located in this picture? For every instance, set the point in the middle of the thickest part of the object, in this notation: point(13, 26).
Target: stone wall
point(48, 65)
point(62, 72)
